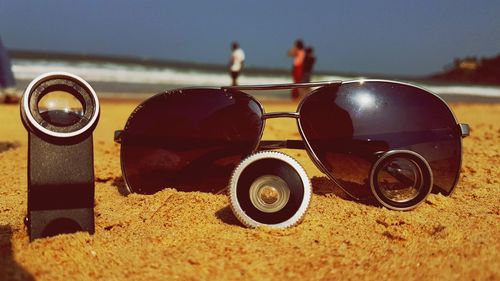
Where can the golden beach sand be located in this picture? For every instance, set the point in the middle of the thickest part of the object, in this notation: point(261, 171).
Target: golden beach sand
point(194, 236)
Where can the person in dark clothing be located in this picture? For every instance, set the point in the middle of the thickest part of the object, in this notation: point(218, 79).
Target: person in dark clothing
point(307, 69)
point(309, 61)
point(7, 81)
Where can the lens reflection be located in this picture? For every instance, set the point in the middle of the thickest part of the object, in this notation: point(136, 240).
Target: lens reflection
point(365, 100)
point(400, 180)
point(60, 108)
point(189, 140)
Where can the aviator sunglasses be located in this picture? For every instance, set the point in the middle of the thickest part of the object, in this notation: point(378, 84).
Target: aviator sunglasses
point(384, 140)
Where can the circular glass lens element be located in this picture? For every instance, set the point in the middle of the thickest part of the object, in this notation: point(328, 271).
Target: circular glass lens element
point(400, 179)
point(60, 108)
point(60, 105)
point(269, 193)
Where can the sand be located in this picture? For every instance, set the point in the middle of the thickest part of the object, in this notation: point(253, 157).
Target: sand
point(192, 236)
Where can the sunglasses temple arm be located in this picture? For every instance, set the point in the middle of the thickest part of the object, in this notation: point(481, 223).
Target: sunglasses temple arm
point(277, 144)
point(464, 129)
point(118, 136)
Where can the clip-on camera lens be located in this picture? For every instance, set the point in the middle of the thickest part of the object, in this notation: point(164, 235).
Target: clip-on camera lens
point(60, 111)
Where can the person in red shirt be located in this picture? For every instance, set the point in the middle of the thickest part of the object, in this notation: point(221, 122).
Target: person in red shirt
point(298, 54)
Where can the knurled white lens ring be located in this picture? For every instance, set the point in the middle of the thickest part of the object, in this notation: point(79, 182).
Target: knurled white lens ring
point(237, 209)
point(57, 75)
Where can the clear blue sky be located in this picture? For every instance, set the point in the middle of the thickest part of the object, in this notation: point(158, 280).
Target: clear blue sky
point(385, 37)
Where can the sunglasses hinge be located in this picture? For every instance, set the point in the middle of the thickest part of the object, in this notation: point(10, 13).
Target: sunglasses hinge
point(464, 129)
point(118, 136)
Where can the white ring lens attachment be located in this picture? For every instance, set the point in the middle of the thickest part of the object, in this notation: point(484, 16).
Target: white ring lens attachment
point(60, 105)
point(269, 188)
point(60, 111)
point(401, 179)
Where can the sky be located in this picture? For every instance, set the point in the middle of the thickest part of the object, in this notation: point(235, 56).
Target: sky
point(381, 37)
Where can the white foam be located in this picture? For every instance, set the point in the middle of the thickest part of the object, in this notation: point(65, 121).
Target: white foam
point(481, 91)
point(136, 74)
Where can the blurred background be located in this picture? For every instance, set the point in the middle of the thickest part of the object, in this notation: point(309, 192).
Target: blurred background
point(143, 47)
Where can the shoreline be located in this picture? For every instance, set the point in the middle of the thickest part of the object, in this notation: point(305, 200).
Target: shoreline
point(141, 91)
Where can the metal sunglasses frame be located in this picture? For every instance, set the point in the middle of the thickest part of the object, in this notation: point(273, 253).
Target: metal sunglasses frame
point(302, 144)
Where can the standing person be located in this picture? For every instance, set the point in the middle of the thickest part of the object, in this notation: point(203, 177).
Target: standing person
point(7, 82)
point(236, 62)
point(298, 54)
point(309, 61)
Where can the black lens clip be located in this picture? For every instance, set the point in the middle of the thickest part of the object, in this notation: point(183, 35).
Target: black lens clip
point(60, 159)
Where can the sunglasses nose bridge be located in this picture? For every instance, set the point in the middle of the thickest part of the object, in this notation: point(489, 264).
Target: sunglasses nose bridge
point(281, 115)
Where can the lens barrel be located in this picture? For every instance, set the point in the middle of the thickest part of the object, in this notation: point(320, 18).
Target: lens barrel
point(401, 179)
point(60, 105)
point(269, 188)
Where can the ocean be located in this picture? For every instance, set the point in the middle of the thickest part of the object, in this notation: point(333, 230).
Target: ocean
point(136, 80)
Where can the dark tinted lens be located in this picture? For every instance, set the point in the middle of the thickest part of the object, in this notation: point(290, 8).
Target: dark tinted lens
point(349, 125)
point(189, 140)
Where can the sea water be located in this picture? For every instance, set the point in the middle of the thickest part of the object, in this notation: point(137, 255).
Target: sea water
point(130, 79)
